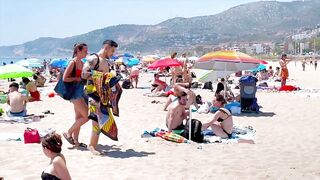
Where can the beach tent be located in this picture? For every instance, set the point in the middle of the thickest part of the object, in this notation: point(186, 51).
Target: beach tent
point(14, 71)
point(259, 68)
point(211, 75)
point(132, 62)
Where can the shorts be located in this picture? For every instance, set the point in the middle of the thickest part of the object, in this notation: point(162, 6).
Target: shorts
point(284, 73)
point(170, 92)
point(17, 114)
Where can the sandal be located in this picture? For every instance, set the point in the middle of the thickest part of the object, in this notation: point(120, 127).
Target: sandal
point(81, 145)
point(69, 139)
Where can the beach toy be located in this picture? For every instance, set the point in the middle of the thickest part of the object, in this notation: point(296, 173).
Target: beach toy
point(51, 95)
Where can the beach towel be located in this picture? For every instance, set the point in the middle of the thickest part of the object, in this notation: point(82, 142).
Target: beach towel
point(164, 134)
point(238, 133)
point(104, 93)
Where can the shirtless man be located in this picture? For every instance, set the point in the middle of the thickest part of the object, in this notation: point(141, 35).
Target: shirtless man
point(284, 69)
point(179, 88)
point(16, 101)
point(107, 50)
point(177, 113)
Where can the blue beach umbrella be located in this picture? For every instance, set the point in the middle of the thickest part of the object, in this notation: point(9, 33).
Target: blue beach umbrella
point(132, 62)
point(59, 63)
point(259, 68)
point(128, 55)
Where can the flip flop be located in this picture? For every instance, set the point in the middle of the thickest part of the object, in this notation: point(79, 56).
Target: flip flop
point(69, 139)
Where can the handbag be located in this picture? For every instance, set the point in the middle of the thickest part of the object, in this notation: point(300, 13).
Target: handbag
point(31, 136)
point(66, 89)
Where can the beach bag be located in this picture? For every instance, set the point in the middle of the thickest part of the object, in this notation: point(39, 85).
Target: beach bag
point(66, 89)
point(126, 84)
point(196, 134)
point(31, 136)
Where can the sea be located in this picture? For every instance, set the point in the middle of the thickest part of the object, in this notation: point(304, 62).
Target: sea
point(14, 60)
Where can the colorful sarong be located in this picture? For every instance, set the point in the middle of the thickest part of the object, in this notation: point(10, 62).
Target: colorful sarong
point(104, 94)
point(284, 73)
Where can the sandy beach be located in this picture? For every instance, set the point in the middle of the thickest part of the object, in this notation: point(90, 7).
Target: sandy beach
point(287, 139)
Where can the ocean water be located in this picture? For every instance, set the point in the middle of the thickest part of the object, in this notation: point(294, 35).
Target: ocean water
point(8, 60)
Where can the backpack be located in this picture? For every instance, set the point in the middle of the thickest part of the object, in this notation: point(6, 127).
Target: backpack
point(126, 84)
point(196, 134)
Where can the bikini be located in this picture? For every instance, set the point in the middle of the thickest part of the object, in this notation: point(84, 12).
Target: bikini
point(47, 176)
point(221, 120)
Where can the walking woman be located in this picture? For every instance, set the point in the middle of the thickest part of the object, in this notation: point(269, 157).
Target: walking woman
point(73, 74)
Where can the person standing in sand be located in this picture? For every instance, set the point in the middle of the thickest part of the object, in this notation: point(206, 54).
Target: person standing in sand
point(73, 74)
point(284, 69)
point(98, 62)
point(51, 146)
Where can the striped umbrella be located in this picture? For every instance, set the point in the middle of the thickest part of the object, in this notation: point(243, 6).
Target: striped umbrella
point(228, 61)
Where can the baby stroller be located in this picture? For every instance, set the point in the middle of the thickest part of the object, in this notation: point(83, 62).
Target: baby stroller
point(248, 91)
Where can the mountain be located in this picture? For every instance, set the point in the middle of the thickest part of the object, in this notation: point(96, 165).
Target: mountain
point(257, 21)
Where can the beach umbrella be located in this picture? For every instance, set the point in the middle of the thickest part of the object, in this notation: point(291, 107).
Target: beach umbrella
point(59, 63)
point(132, 62)
point(211, 75)
point(14, 71)
point(162, 63)
point(227, 61)
point(259, 68)
point(128, 55)
point(148, 59)
point(30, 63)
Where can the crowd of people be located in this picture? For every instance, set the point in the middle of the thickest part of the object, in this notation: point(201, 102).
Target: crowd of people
point(181, 100)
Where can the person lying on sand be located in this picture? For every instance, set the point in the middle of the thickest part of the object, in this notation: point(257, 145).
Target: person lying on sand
point(16, 101)
point(222, 122)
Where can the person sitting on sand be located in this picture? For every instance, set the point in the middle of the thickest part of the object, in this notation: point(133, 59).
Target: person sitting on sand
point(158, 85)
point(57, 169)
point(218, 102)
point(222, 122)
point(16, 101)
point(177, 113)
point(178, 88)
point(31, 90)
point(39, 79)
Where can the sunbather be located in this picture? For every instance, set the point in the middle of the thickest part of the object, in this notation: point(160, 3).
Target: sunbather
point(32, 92)
point(16, 101)
point(222, 122)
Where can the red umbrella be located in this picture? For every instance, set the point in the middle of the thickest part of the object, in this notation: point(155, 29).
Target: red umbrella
point(162, 63)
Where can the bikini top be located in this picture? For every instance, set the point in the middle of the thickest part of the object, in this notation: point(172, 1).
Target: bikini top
point(225, 111)
point(47, 176)
point(78, 72)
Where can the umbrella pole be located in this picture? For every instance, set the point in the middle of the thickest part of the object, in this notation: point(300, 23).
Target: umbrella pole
point(190, 122)
point(225, 80)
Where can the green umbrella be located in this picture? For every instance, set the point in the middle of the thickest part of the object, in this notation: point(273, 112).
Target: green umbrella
point(14, 71)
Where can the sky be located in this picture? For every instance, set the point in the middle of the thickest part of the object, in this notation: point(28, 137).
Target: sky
point(26, 20)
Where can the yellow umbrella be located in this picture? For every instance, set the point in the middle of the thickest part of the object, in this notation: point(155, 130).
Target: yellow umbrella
point(148, 59)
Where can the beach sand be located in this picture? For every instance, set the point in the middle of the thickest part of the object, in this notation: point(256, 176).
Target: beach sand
point(287, 140)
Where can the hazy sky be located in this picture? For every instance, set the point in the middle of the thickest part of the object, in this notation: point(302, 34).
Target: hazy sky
point(25, 20)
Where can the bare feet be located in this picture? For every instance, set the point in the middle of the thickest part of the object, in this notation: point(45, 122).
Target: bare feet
point(93, 151)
